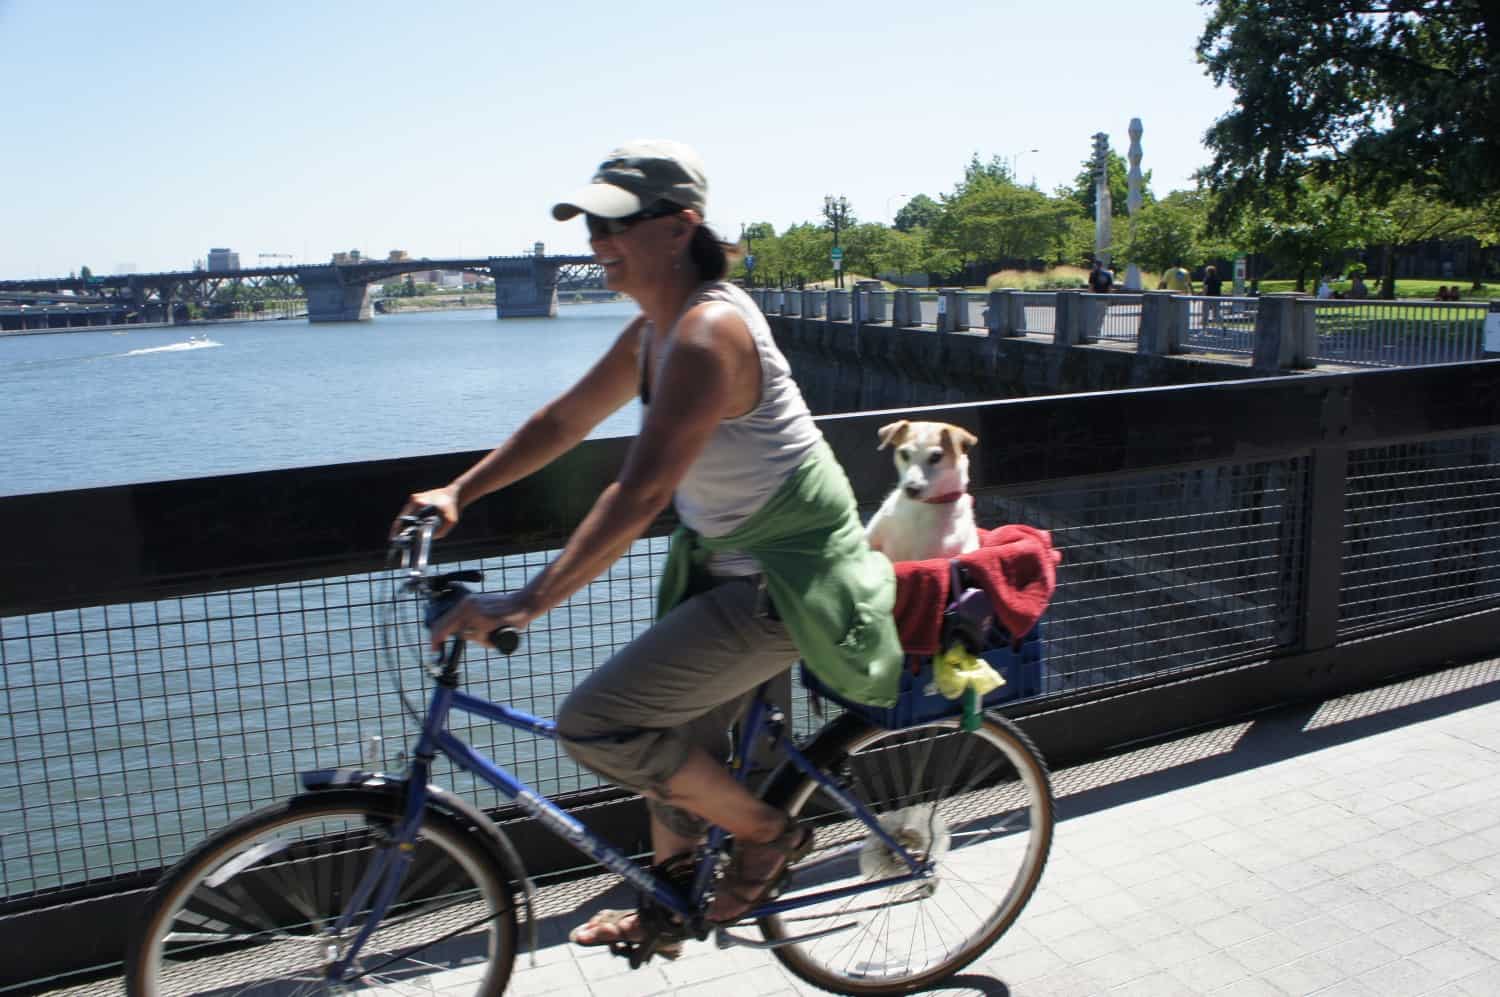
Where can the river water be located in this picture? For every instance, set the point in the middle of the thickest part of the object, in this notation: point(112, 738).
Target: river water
point(80, 409)
point(127, 732)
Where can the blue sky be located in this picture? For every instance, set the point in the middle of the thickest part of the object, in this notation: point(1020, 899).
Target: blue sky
point(146, 132)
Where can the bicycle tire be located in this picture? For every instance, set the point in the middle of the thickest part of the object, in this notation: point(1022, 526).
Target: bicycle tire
point(250, 902)
point(993, 809)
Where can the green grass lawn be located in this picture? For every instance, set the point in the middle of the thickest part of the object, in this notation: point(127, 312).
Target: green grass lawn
point(1412, 288)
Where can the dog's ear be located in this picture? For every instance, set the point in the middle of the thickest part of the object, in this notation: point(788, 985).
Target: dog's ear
point(957, 440)
point(892, 435)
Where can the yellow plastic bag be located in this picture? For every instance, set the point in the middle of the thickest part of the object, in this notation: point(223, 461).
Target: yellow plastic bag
point(959, 674)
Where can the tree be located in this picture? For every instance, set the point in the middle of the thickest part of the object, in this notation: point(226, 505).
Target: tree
point(866, 248)
point(1314, 226)
point(990, 218)
point(1374, 93)
point(1408, 217)
point(1486, 232)
point(1166, 233)
point(920, 212)
point(85, 274)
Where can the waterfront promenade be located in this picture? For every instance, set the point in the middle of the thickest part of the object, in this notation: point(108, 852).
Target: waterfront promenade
point(1349, 847)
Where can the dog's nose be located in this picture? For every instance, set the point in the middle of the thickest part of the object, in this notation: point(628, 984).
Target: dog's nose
point(913, 491)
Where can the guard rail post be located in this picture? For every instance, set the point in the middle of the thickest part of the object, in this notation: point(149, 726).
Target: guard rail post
point(1275, 332)
point(1069, 321)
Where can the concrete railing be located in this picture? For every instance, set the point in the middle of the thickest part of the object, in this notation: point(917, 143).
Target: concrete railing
point(1273, 332)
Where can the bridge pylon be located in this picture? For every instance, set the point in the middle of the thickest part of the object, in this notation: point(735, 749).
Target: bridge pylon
point(331, 297)
point(525, 287)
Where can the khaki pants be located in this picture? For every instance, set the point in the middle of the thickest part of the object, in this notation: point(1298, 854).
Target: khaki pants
point(679, 685)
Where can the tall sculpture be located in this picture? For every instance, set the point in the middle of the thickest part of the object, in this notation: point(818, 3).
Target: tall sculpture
point(1103, 206)
point(1133, 197)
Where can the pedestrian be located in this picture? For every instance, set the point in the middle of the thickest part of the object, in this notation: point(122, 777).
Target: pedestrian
point(1357, 288)
point(1325, 289)
point(1101, 280)
point(1177, 280)
point(1213, 286)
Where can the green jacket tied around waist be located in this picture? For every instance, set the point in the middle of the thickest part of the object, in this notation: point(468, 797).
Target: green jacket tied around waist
point(833, 592)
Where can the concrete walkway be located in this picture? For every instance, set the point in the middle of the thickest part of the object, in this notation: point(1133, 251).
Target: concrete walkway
point(1347, 848)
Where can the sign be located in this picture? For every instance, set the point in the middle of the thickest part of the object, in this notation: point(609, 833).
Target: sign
point(750, 261)
point(838, 264)
point(838, 253)
point(1239, 275)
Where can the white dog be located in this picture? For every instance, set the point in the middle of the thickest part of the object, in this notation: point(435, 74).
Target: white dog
point(930, 513)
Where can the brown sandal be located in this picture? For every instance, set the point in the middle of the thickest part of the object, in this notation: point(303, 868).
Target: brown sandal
point(611, 919)
point(792, 845)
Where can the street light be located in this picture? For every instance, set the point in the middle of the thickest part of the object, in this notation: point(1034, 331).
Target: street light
point(746, 238)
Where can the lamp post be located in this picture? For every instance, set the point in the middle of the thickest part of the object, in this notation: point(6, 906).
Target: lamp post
point(745, 237)
point(836, 211)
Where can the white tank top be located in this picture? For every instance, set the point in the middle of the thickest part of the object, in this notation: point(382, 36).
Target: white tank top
point(746, 459)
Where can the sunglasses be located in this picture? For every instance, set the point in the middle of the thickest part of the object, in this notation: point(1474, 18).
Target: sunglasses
point(600, 228)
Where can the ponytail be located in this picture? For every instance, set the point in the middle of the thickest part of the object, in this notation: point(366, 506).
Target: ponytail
point(709, 254)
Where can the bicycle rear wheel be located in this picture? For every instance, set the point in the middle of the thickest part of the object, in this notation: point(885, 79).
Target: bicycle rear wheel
point(979, 804)
point(247, 911)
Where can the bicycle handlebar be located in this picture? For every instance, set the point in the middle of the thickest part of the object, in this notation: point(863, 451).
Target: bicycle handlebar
point(443, 591)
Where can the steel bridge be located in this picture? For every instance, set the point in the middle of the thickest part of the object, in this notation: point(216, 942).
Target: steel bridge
point(525, 286)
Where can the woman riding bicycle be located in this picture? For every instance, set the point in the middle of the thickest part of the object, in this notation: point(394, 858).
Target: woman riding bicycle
point(770, 561)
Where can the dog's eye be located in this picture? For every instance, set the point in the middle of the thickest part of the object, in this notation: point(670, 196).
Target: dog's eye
point(936, 457)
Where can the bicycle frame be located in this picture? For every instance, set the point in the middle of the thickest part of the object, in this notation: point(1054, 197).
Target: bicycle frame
point(384, 876)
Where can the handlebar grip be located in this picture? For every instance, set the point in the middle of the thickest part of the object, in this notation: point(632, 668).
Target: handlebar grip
point(505, 639)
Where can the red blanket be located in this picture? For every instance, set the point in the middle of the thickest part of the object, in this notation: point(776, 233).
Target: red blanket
point(1015, 565)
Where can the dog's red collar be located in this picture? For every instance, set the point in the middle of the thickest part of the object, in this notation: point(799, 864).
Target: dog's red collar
point(944, 499)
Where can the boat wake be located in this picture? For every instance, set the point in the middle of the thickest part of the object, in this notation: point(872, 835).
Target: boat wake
point(195, 343)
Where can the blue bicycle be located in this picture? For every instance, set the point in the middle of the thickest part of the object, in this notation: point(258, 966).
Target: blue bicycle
point(929, 840)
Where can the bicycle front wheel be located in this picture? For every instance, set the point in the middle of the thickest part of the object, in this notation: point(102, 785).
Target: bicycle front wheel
point(254, 909)
point(978, 805)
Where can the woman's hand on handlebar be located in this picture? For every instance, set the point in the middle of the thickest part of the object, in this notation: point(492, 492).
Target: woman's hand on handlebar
point(479, 615)
point(444, 500)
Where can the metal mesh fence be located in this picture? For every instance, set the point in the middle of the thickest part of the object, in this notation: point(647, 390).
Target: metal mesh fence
point(1220, 325)
point(1386, 333)
point(1112, 318)
point(1037, 312)
point(131, 731)
point(1422, 531)
point(1167, 572)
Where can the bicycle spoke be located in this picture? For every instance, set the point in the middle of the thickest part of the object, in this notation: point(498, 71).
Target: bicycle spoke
point(984, 823)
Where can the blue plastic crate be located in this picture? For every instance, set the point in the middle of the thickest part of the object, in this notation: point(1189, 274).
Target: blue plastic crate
point(919, 701)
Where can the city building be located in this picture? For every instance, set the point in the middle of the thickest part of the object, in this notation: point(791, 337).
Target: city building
point(220, 260)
